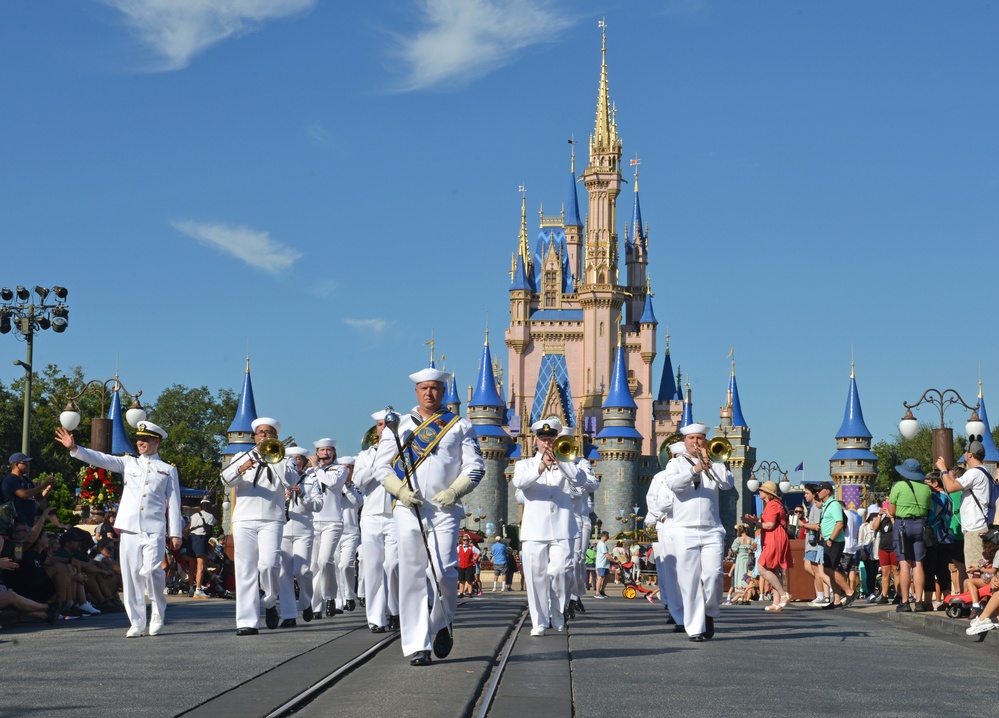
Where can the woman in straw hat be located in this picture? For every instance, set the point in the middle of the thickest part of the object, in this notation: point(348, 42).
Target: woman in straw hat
point(775, 557)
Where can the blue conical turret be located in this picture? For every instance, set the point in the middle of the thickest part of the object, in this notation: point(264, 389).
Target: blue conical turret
point(637, 232)
point(485, 393)
point(572, 205)
point(667, 384)
point(620, 393)
point(737, 418)
point(688, 409)
point(853, 417)
point(648, 316)
point(991, 452)
point(451, 398)
point(240, 432)
point(520, 281)
point(120, 443)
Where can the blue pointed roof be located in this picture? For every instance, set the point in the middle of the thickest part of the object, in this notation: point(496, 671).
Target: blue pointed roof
point(737, 418)
point(688, 414)
point(853, 417)
point(667, 384)
point(520, 276)
point(991, 452)
point(648, 316)
point(485, 393)
point(572, 206)
point(620, 393)
point(637, 232)
point(451, 395)
point(120, 443)
point(246, 411)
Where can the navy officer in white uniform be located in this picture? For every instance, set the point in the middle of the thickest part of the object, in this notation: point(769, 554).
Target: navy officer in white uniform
point(660, 500)
point(148, 513)
point(696, 532)
point(301, 501)
point(257, 527)
point(549, 526)
point(449, 465)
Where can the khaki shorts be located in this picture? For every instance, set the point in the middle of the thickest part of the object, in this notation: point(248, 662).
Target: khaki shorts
point(973, 550)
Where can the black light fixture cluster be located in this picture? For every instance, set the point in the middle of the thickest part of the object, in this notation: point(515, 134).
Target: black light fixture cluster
point(19, 312)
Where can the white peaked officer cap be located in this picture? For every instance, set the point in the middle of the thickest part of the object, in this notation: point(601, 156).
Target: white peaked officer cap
point(677, 448)
point(324, 442)
point(149, 430)
point(379, 415)
point(266, 421)
point(430, 374)
point(694, 429)
point(345, 461)
point(547, 425)
point(296, 451)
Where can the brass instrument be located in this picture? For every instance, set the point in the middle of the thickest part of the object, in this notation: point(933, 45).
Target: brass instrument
point(719, 449)
point(370, 438)
point(271, 451)
point(565, 448)
point(664, 453)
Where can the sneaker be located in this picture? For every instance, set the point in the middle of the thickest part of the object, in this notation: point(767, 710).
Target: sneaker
point(199, 594)
point(981, 627)
point(479, 593)
point(903, 608)
point(648, 597)
point(600, 595)
point(155, 624)
point(819, 602)
point(937, 605)
point(86, 607)
point(883, 600)
point(135, 632)
point(976, 611)
point(539, 631)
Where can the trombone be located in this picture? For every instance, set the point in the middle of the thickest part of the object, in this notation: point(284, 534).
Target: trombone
point(565, 448)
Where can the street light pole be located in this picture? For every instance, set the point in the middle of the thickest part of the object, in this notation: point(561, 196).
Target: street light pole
point(942, 437)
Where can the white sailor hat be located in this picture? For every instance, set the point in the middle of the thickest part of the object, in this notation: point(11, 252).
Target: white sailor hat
point(430, 374)
point(567, 431)
point(296, 451)
point(547, 425)
point(694, 429)
point(345, 460)
point(324, 442)
point(149, 430)
point(379, 415)
point(266, 421)
point(677, 448)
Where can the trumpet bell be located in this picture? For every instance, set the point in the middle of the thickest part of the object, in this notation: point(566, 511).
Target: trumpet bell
point(664, 454)
point(719, 449)
point(271, 451)
point(370, 438)
point(565, 448)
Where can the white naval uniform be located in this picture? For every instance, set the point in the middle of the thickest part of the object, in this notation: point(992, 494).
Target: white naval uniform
point(581, 510)
point(346, 564)
point(698, 538)
point(149, 500)
point(456, 454)
point(296, 547)
point(328, 525)
point(548, 526)
point(257, 527)
point(380, 564)
point(660, 500)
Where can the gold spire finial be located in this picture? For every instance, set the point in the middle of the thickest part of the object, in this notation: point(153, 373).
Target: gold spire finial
point(522, 248)
point(634, 163)
point(731, 355)
point(979, 382)
point(431, 345)
point(853, 374)
point(602, 130)
point(648, 285)
point(667, 340)
point(247, 356)
point(572, 153)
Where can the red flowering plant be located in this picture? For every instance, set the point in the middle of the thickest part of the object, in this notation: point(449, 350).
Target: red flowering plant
point(98, 488)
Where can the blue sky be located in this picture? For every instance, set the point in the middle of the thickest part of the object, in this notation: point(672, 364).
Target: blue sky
point(819, 179)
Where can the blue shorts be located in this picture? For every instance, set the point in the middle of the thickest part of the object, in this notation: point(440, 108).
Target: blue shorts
point(908, 539)
point(814, 555)
point(602, 571)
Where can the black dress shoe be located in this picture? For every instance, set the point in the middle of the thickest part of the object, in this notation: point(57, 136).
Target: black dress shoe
point(337, 611)
point(362, 602)
point(272, 617)
point(246, 631)
point(697, 638)
point(307, 614)
point(288, 623)
point(710, 627)
point(571, 609)
point(678, 628)
point(670, 621)
point(580, 608)
point(316, 615)
point(350, 605)
point(443, 642)
point(420, 658)
point(393, 622)
point(330, 607)
point(378, 629)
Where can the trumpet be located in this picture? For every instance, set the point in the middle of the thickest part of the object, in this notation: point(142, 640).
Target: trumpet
point(370, 438)
point(565, 448)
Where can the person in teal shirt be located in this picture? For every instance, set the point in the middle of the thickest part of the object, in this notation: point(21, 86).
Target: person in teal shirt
point(909, 504)
point(831, 525)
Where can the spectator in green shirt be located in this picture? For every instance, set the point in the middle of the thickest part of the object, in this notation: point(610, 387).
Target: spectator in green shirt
point(832, 524)
point(909, 504)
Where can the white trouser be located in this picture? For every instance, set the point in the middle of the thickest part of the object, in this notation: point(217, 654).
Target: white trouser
point(699, 574)
point(346, 567)
point(324, 562)
point(669, 590)
point(379, 568)
point(142, 572)
point(573, 588)
point(296, 562)
point(257, 547)
point(579, 564)
point(546, 565)
point(416, 580)
point(360, 573)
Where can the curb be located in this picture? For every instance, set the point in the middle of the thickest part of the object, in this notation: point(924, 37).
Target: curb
point(941, 624)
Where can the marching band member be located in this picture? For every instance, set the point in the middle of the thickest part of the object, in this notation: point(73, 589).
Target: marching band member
point(380, 567)
point(441, 462)
point(548, 526)
point(301, 501)
point(328, 523)
point(346, 564)
point(660, 500)
point(697, 533)
point(150, 498)
point(576, 586)
point(257, 525)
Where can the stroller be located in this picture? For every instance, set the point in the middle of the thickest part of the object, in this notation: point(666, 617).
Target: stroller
point(959, 604)
point(627, 576)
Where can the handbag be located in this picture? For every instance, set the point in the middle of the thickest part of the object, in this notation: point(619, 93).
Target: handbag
point(929, 536)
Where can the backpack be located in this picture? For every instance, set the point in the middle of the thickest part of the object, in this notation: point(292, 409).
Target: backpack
point(990, 511)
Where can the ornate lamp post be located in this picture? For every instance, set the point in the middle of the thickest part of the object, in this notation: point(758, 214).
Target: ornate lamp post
point(26, 316)
point(943, 437)
point(768, 468)
point(100, 427)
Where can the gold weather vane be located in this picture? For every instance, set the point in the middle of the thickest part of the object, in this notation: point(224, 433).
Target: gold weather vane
point(431, 344)
point(634, 163)
point(572, 155)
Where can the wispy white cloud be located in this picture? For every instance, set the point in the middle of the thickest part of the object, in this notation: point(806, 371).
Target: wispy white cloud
point(252, 246)
point(324, 288)
point(318, 135)
point(466, 39)
point(177, 30)
point(373, 327)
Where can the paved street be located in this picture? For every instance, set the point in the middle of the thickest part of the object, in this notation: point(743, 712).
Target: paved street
point(617, 658)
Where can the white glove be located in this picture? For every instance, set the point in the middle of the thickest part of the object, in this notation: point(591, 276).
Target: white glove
point(407, 497)
point(449, 496)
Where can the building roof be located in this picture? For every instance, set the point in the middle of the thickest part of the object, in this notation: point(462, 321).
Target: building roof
point(637, 232)
point(853, 417)
point(451, 395)
point(853, 455)
point(572, 205)
point(667, 384)
point(619, 432)
point(553, 376)
point(485, 393)
point(520, 281)
point(619, 394)
point(557, 315)
point(991, 452)
point(120, 443)
point(737, 418)
point(688, 414)
point(648, 316)
point(246, 411)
